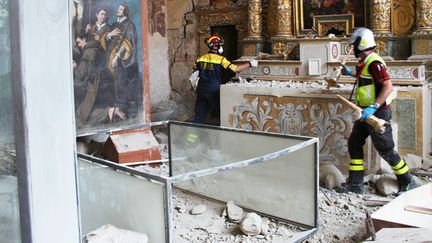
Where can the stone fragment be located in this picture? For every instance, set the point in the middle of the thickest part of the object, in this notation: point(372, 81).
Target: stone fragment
point(235, 213)
point(251, 224)
point(110, 233)
point(265, 226)
point(413, 161)
point(330, 177)
point(387, 185)
point(385, 168)
point(199, 209)
point(216, 227)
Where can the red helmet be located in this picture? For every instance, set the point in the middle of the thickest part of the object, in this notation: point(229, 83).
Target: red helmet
point(214, 41)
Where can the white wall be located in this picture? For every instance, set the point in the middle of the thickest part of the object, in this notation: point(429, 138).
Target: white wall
point(159, 68)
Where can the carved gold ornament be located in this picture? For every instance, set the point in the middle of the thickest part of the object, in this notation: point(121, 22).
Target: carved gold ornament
point(381, 10)
point(424, 14)
point(403, 16)
point(255, 19)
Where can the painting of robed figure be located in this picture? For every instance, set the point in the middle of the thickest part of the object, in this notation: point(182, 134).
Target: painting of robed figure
point(107, 64)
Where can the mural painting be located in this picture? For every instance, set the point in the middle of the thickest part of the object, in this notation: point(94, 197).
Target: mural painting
point(107, 63)
point(310, 8)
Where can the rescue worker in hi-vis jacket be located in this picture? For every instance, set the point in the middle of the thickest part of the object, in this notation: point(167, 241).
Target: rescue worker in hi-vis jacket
point(212, 67)
point(373, 93)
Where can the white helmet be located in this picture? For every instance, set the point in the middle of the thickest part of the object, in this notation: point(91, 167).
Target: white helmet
point(362, 39)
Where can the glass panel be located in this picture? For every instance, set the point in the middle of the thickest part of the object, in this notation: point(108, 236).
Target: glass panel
point(284, 187)
point(196, 148)
point(9, 205)
point(107, 60)
point(127, 202)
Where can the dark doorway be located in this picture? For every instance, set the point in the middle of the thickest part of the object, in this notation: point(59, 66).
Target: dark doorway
point(229, 34)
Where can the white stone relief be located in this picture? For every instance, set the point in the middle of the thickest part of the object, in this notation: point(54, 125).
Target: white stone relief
point(327, 124)
point(291, 119)
point(404, 73)
point(253, 113)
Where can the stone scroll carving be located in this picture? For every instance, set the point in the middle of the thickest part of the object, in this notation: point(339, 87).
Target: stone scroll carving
point(330, 122)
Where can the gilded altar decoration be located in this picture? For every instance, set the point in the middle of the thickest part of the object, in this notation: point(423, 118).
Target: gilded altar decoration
point(341, 22)
point(206, 19)
point(271, 17)
point(255, 19)
point(403, 17)
point(381, 12)
point(284, 18)
point(381, 47)
point(424, 15)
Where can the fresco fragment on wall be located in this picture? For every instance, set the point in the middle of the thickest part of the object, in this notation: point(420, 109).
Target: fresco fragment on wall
point(107, 64)
point(157, 11)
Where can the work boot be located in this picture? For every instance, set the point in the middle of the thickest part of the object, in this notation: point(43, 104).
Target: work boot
point(407, 187)
point(351, 187)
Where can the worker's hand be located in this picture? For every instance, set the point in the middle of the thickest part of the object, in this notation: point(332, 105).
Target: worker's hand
point(347, 70)
point(253, 63)
point(367, 112)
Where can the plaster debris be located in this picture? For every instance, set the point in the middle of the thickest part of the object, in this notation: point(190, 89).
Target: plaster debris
point(199, 209)
point(110, 233)
point(251, 224)
point(413, 161)
point(387, 185)
point(385, 168)
point(234, 212)
point(330, 177)
point(318, 85)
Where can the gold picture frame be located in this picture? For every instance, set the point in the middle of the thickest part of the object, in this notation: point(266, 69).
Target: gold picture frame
point(341, 22)
point(306, 9)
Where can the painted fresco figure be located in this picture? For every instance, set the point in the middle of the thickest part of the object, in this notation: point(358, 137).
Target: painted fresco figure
point(101, 26)
point(122, 61)
point(93, 100)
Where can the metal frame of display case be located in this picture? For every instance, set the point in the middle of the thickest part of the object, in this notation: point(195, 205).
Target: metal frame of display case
point(169, 181)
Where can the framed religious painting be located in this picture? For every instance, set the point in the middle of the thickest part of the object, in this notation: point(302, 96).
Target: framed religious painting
point(305, 10)
point(107, 64)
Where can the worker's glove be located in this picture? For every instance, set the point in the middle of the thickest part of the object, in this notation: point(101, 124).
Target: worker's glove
point(347, 70)
point(367, 112)
point(253, 63)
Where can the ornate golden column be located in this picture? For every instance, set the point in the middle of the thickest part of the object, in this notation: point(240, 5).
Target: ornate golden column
point(381, 12)
point(424, 16)
point(381, 26)
point(254, 42)
point(283, 38)
point(422, 36)
point(255, 19)
point(283, 18)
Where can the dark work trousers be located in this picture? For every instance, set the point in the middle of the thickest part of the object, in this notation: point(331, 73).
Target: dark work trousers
point(383, 143)
point(205, 101)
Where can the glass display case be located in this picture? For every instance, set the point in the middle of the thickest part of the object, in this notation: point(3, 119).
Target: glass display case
point(273, 175)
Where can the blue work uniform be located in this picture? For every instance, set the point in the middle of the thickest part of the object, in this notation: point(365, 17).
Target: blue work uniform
point(211, 68)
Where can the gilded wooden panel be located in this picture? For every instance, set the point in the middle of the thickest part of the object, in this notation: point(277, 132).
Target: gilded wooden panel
point(403, 16)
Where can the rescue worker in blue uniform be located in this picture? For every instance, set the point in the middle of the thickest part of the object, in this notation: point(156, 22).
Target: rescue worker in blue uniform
point(373, 93)
point(212, 67)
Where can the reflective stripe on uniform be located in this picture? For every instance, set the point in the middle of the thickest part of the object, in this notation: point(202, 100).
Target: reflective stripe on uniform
point(357, 161)
point(400, 168)
point(356, 167)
